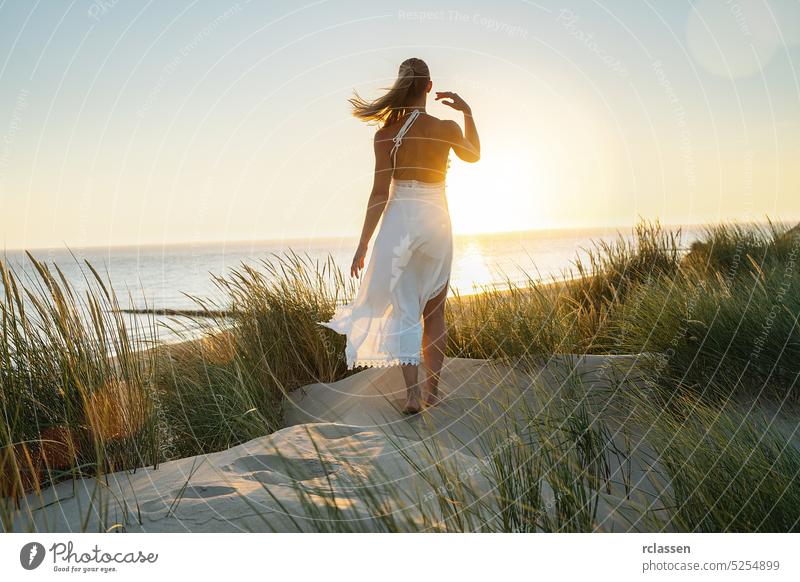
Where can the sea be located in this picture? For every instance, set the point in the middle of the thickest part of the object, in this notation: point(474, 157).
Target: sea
point(173, 277)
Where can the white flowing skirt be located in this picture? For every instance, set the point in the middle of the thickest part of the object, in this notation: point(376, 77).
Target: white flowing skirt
point(409, 265)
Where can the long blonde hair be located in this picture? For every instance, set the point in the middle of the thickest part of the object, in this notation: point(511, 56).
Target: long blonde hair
point(412, 81)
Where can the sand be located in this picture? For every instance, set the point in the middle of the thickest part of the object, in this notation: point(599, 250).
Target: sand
point(341, 440)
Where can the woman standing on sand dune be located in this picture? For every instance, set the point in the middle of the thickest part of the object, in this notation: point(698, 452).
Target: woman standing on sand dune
point(406, 280)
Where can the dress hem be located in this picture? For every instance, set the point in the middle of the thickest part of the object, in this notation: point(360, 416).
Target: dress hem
point(387, 363)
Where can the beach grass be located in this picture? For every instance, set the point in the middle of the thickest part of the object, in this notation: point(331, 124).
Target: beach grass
point(723, 466)
point(705, 313)
point(86, 390)
point(76, 390)
point(229, 386)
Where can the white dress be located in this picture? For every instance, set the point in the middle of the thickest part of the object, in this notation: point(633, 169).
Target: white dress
point(409, 265)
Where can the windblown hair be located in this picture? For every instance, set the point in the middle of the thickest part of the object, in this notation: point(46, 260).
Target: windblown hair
point(412, 81)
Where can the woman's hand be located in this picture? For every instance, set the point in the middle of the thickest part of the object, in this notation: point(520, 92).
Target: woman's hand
point(358, 261)
point(455, 101)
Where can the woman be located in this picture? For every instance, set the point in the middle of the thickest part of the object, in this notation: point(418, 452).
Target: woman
point(407, 277)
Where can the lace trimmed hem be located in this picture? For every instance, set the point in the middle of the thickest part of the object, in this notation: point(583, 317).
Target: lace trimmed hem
point(387, 363)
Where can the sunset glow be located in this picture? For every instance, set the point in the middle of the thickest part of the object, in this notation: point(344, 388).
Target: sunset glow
point(506, 191)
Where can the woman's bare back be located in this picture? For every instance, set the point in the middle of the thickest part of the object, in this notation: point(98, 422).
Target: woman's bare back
point(425, 149)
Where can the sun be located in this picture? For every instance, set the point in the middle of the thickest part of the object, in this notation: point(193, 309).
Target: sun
point(500, 193)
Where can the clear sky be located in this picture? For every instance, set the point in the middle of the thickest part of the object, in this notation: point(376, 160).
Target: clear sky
point(138, 122)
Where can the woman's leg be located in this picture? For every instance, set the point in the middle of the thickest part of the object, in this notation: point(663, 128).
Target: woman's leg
point(434, 338)
point(411, 376)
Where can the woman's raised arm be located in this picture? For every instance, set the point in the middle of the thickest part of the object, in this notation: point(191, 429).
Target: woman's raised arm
point(466, 146)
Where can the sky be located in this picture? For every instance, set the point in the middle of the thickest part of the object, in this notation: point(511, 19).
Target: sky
point(129, 122)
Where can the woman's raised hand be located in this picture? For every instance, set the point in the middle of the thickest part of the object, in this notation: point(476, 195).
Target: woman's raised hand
point(454, 101)
point(358, 261)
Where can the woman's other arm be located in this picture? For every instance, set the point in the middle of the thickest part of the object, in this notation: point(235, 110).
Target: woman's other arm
point(377, 200)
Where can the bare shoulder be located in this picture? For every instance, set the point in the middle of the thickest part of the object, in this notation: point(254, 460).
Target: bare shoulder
point(449, 131)
point(382, 133)
point(449, 128)
point(383, 136)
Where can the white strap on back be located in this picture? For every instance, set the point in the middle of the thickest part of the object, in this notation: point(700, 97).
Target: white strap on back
point(398, 139)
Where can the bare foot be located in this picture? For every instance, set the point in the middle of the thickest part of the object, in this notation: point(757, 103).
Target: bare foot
point(412, 405)
point(433, 398)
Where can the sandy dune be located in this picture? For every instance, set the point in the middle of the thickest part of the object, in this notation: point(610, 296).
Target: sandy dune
point(341, 440)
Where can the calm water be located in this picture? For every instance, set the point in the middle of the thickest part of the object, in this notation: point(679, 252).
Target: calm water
point(164, 277)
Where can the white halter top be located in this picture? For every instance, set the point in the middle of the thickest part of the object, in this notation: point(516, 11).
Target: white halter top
point(398, 139)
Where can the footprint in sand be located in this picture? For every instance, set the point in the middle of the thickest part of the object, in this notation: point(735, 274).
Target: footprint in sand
point(296, 468)
point(193, 492)
point(269, 478)
point(205, 491)
point(337, 431)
